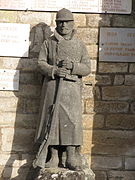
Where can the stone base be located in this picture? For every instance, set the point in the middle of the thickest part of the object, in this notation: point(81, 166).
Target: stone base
point(65, 174)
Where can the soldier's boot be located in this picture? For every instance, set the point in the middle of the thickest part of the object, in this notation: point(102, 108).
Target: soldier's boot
point(54, 161)
point(72, 158)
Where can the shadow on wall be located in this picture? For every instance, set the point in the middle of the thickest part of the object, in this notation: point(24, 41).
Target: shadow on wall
point(28, 98)
point(114, 120)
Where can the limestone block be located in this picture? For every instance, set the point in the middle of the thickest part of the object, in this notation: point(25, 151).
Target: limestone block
point(80, 20)
point(8, 104)
point(100, 175)
point(123, 21)
point(103, 80)
point(15, 173)
point(8, 16)
point(132, 108)
point(89, 80)
point(130, 163)
point(97, 93)
point(110, 107)
point(130, 79)
point(87, 142)
point(118, 93)
point(28, 90)
point(17, 139)
point(113, 137)
point(89, 106)
point(98, 20)
point(119, 80)
point(87, 91)
point(87, 35)
point(34, 17)
point(132, 68)
point(113, 67)
point(9, 160)
point(32, 105)
point(120, 121)
point(124, 175)
point(10, 119)
point(93, 66)
point(29, 78)
point(93, 51)
point(111, 149)
point(106, 162)
point(17, 63)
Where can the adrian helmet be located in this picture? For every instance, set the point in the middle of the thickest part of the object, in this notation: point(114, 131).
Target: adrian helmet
point(64, 15)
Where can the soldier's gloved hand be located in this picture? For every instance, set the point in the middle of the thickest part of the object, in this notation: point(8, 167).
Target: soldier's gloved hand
point(66, 64)
point(61, 72)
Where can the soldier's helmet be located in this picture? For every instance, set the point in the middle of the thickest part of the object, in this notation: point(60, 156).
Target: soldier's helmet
point(64, 15)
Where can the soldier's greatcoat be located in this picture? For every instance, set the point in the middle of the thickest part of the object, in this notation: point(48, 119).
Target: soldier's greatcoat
point(69, 123)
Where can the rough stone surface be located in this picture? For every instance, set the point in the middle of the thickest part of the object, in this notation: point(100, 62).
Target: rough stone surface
point(53, 174)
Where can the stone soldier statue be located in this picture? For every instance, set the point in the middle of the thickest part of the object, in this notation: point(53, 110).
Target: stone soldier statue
point(65, 57)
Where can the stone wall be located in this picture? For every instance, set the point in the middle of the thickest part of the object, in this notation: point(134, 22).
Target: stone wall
point(108, 104)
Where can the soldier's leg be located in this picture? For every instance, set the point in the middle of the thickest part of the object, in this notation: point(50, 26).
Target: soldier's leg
point(54, 160)
point(72, 161)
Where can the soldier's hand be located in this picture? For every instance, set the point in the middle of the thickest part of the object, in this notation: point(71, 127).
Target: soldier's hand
point(67, 64)
point(61, 72)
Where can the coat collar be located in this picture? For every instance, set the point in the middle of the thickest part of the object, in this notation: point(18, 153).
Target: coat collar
point(60, 38)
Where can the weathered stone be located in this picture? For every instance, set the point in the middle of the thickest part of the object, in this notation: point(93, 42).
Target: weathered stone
point(93, 51)
point(111, 149)
point(130, 80)
point(15, 173)
point(119, 80)
point(120, 121)
point(87, 139)
point(87, 35)
point(93, 66)
point(89, 106)
point(34, 17)
point(93, 121)
point(17, 139)
point(89, 80)
point(20, 64)
point(29, 91)
point(80, 20)
point(110, 107)
point(132, 68)
point(106, 162)
point(123, 21)
point(8, 104)
point(8, 16)
point(53, 174)
point(100, 175)
point(113, 137)
point(97, 93)
point(32, 105)
point(118, 93)
point(18, 120)
point(124, 175)
point(103, 80)
point(98, 20)
point(87, 91)
point(9, 160)
point(113, 67)
point(132, 108)
point(130, 163)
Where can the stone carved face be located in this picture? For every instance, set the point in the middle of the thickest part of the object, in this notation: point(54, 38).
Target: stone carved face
point(65, 27)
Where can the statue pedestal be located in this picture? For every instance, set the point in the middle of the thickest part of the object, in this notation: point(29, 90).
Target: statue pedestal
point(65, 174)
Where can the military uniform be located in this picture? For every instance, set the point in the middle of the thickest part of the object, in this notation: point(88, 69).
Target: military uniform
point(53, 50)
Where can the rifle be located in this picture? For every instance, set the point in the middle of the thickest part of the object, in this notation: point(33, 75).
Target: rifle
point(42, 153)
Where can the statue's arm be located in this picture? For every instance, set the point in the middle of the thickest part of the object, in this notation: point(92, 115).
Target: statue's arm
point(82, 68)
point(43, 66)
